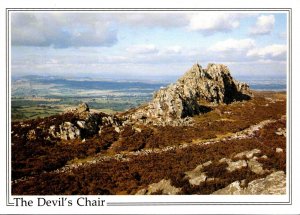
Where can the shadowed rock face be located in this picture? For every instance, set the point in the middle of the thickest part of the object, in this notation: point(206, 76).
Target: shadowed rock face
point(183, 98)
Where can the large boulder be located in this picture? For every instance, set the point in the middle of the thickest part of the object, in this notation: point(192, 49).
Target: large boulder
point(183, 98)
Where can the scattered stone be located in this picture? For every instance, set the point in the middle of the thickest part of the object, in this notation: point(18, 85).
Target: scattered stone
point(196, 176)
point(207, 163)
point(117, 129)
point(273, 184)
point(233, 189)
point(270, 100)
point(232, 166)
point(31, 135)
point(197, 180)
point(248, 154)
point(139, 130)
point(164, 186)
point(281, 132)
point(255, 166)
point(250, 132)
point(24, 125)
point(223, 160)
point(279, 150)
point(141, 192)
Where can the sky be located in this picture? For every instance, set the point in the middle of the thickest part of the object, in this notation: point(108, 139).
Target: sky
point(147, 45)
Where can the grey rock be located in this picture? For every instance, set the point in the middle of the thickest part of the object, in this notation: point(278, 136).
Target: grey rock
point(281, 132)
point(197, 176)
point(248, 154)
point(223, 160)
point(232, 166)
point(273, 184)
point(181, 99)
point(164, 186)
point(255, 166)
point(68, 131)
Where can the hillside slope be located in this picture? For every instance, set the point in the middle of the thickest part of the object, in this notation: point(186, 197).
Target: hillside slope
point(187, 140)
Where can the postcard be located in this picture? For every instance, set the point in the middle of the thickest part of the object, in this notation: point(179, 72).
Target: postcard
point(148, 109)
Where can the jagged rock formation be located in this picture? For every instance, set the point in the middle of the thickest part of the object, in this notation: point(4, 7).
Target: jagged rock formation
point(171, 105)
point(174, 105)
point(86, 124)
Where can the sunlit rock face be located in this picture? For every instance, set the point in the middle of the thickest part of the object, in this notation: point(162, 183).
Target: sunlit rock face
point(183, 99)
point(273, 184)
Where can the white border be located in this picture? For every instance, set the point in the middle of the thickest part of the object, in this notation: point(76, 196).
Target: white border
point(155, 209)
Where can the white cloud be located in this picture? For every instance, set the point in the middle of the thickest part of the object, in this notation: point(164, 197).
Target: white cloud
point(174, 49)
point(142, 49)
point(246, 50)
point(211, 22)
point(264, 25)
point(61, 30)
point(258, 69)
point(168, 60)
point(233, 45)
point(273, 51)
point(152, 20)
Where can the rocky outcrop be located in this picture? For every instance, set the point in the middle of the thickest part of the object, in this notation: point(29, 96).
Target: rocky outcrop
point(174, 105)
point(188, 95)
point(273, 184)
point(250, 162)
point(68, 131)
point(86, 124)
point(197, 176)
